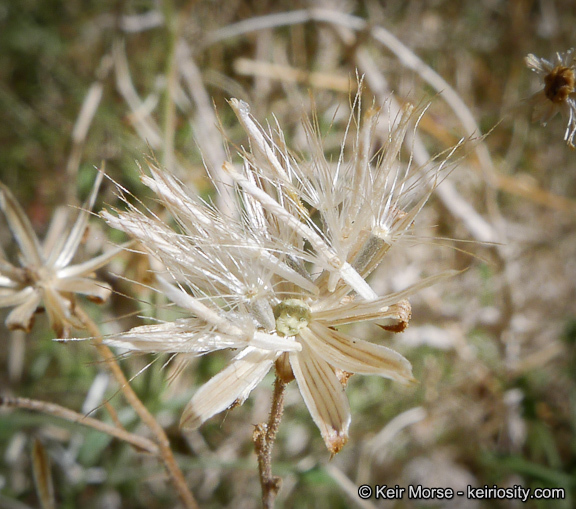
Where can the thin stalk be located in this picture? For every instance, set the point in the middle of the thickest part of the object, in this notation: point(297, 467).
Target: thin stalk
point(169, 121)
point(61, 412)
point(264, 438)
point(174, 472)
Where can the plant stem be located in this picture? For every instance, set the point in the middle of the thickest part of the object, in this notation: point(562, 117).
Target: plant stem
point(139, 442)
point(169, 121)
point(264, 437)
point(174, 472)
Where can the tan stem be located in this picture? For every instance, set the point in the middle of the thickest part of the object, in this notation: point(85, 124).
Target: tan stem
point(174, 472)
point(65, 413)
point(264, 437)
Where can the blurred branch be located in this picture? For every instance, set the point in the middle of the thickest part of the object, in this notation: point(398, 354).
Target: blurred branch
point(248, 67)
point(132, 23)
point(538, 359)
point(61, 412)
point(83, 122)
point(16, 355)
point(145, 126)
point(349, 487)
point(205, 128)
point(165, 452)
point(172, 25)
point(520, 186)
point(379, 442)
point(406, 56)
point(140, 115)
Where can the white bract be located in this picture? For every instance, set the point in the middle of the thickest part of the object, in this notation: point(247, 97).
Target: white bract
point(276, 280)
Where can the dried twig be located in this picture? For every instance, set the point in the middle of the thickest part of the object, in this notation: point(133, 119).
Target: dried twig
point(140, 117)
point(165, 452)
point(328, 81)
point(349, 487)
point(61, 412)
point(264, 437)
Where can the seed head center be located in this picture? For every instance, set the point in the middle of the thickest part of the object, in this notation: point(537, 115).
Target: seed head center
point(292, 315)
point(559, 84)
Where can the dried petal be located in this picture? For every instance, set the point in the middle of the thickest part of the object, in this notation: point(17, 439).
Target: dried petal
point(324, 396)
point(356, 355)
point(15, 297)
point(59, 311)
point(94, 289)
point(20, 227)
point(229, 387)
point(21, 317)
point(89, 266)
point(61, 257)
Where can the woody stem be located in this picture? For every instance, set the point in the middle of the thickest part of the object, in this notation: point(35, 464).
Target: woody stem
point(264, 437)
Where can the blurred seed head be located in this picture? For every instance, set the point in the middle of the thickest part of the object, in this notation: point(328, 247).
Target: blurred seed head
point(559, 91)
point(45, 275)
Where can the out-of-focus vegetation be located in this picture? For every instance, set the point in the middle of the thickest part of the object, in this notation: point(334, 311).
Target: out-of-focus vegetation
point(493, 348)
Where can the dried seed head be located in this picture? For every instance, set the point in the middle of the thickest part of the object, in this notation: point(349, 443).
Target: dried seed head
point(276, 283)
point(46, 279)
point(559, 77)
point(559, 83)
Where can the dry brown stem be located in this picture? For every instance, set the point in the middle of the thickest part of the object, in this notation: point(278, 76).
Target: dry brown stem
point(264, 437)
point(174, 472)
point(61, 412)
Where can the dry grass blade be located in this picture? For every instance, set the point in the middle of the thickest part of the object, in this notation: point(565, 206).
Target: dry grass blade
point(526, 188)
point(205, 127)
point(140, 115)
point(407, 57)
point(82, 125)
point(43, 476)
point(248, 67)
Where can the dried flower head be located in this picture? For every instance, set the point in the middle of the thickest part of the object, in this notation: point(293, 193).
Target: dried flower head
point(277, 280)
point(45, 274)
point(559, 92)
